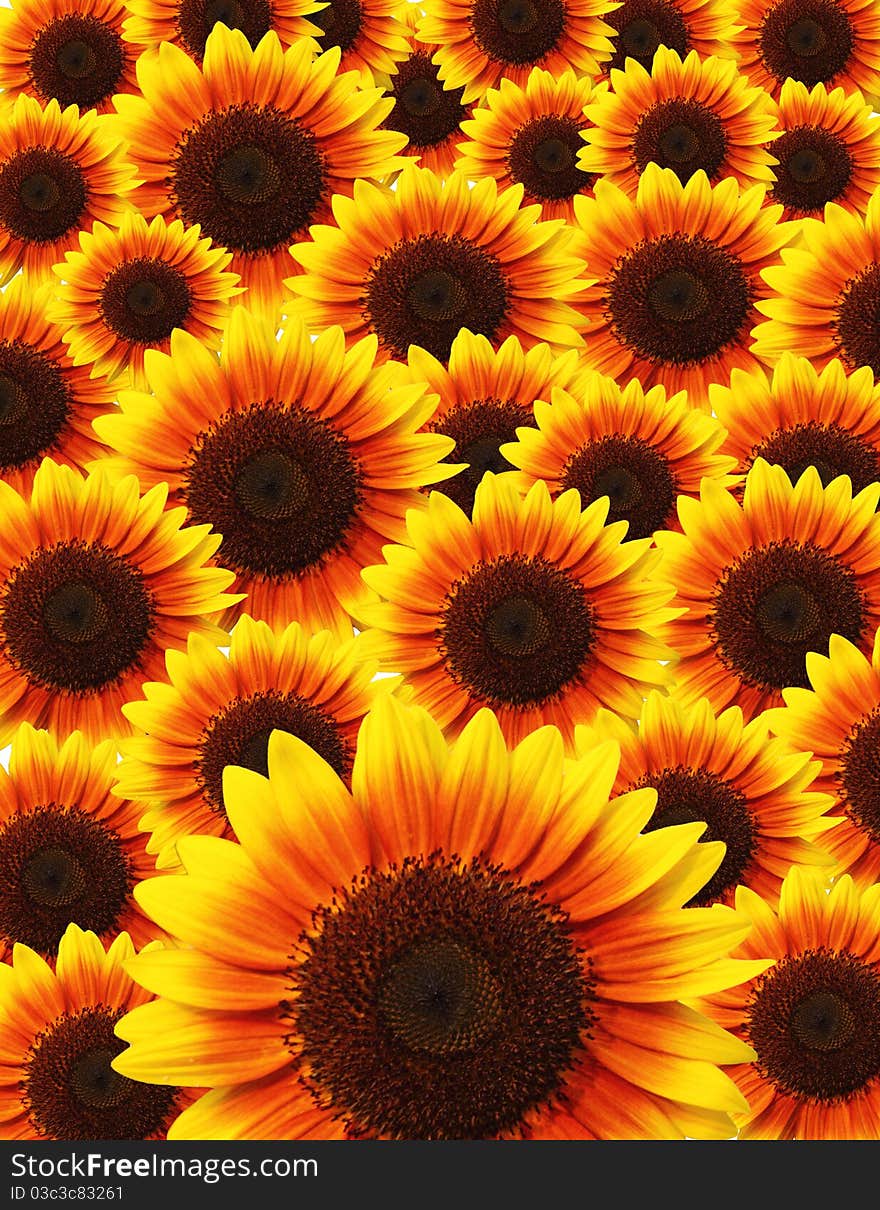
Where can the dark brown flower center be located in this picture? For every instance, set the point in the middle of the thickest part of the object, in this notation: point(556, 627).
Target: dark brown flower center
point(635, 477)
point(543, 158)
point(35, 404)
point(75, 616)
point(807, 40)
point(144, 300)
point(814, 167)
point(517, 31)
point(856, 326)
point(684, 135)
point(827, 447)
point(438, 1000)
point(425, 111)
point(859, 775)
point(42, 194)
point(77, 60)
point(341, 21)
point(479, 429)
point(196, 19)
point(776, 603)
point(642, 26)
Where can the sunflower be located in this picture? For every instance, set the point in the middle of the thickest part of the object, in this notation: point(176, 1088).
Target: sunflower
point(304, 457)
point(829, 420)
point(531, 136)
point(187, 23)
point(125, 292)
point(683, 114)
point(96, 583)
point(825, 297)
point(372, 35)
point(831, 42)
point(483, 41)
point(638, 448)
point(533, 608)
point(484, 397)
point(838, 720)
point(251, 146)
point(830, 151)
point(475, 947)
point(676, 274)
point(56, 1081)
point(60, 171)
point(418, 264)
point(70, 850)
point(212, 711)
point(751, 791)
point(639, 27)
point(814, 1017)
point(47, 404)
point(764, 582)
point(69, 51)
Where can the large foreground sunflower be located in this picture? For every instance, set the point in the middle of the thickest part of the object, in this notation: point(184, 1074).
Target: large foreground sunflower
point(56, 1080)
point(188, 23)
point(531, 135)
point(60, 171)
point(251, 146)
point(824, 300)
point(47, 404)
point(639, 448)
point(534, 608)
point(640, 27)
point(416, 265)
point(764, 582)
point(676, 273)
point(814, 1017)
point(126, 291)
point(754, 793)
point(212, 711)
point(70, 850)
point(684, 114)
point(830, 151)
point(838, 720)
point(482, 41)
point(484, 397)
point(303, 456)
point(69, 51)
point(470, 944)
point(829, 420)
point(97, 582)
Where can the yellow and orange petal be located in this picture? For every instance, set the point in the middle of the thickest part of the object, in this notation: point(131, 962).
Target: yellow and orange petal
point(640, 27)
point(534, 608)
point(303, 455)
point(47, 403)
point(676, 273)
point(126, 291)
point(371, 35)
point(213, 710)
point(416, 265)
point(638, 448)
point(98, 582)
point(187, 23)
point(60, 172)
point(684, 114)
point(766, 581)
point(438, 856)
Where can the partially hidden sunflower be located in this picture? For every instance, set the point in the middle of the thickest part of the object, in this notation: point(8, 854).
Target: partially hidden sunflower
point(251, 146)
point(187, 23)
point(97, 582)
point(470, 944)
point(47, 404)
point(56, 1081)
point(640, 449)
point(824, 299)
point(372, 36)
point(484, 396)
point(418, 264)
point(829, 151)
point(214, 710)
point(676, 275)
point(304, 457)
point(800, 417)
point(640, 27)
point(70, 849)
point(60, 171)
point(683, 114)
point(755, 793)
point(531, 135)
point(482, 41)
point(813, 1019)
point(764, 582)
point(830, 42)
point(534, 608)
point(125, 291)
point(69, 51)
point(838, 719)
